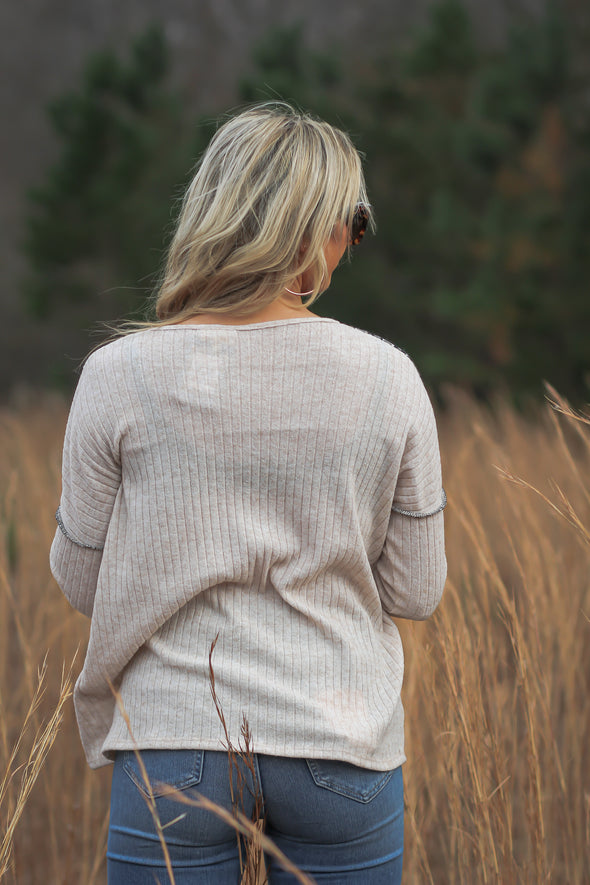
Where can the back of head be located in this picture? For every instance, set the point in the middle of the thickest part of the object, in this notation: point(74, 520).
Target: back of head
point(266, 196)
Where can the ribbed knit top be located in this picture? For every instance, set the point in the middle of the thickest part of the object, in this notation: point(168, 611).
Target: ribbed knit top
point(275, 485)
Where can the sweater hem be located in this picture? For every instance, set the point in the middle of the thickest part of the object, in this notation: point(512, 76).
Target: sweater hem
point(107, 754)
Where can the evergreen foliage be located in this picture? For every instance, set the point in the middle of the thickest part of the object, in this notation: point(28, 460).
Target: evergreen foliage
point(478, 164)
point(470, 151)
point(100, 218)
point(285, 69)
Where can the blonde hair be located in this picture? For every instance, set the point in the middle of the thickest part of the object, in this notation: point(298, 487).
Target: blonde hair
point(271, 181)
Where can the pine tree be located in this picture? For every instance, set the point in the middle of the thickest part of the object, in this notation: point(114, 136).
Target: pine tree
point(100, 218)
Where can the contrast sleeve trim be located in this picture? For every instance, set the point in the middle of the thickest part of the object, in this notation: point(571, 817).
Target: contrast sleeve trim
point(69, 536)
point(421, 514)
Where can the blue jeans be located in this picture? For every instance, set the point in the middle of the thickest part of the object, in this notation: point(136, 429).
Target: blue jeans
point(336, 822)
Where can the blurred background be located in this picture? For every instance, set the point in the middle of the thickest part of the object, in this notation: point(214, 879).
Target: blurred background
point(474, 119)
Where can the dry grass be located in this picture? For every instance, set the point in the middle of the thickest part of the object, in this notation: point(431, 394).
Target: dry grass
point(496, 689)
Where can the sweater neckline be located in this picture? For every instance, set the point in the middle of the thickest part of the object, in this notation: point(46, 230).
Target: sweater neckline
point(247, 326)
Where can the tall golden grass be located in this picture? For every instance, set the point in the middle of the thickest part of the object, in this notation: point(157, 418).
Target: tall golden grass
point(496, 688)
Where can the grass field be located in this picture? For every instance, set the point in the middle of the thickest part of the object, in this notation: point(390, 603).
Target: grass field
point(497, 682)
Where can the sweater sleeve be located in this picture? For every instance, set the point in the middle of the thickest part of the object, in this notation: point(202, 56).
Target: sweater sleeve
point(91, 478)
point(411, 570)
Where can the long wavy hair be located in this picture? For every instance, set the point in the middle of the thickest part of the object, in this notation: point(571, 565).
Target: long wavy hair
point(271, 181)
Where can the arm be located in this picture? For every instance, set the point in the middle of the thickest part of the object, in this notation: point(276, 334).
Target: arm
point(91, 477)
point(411, 570)
point(76, 571)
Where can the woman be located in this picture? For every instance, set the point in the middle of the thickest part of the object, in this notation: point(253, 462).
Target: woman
point(245, 471)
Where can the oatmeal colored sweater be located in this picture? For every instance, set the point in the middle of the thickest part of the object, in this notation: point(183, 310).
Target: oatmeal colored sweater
point(275, 485)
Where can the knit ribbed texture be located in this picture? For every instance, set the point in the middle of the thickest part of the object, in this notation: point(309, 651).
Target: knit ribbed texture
point(241, 481)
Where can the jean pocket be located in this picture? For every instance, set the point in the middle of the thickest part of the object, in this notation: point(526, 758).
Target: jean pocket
point(179, 769)
point(360, 784)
